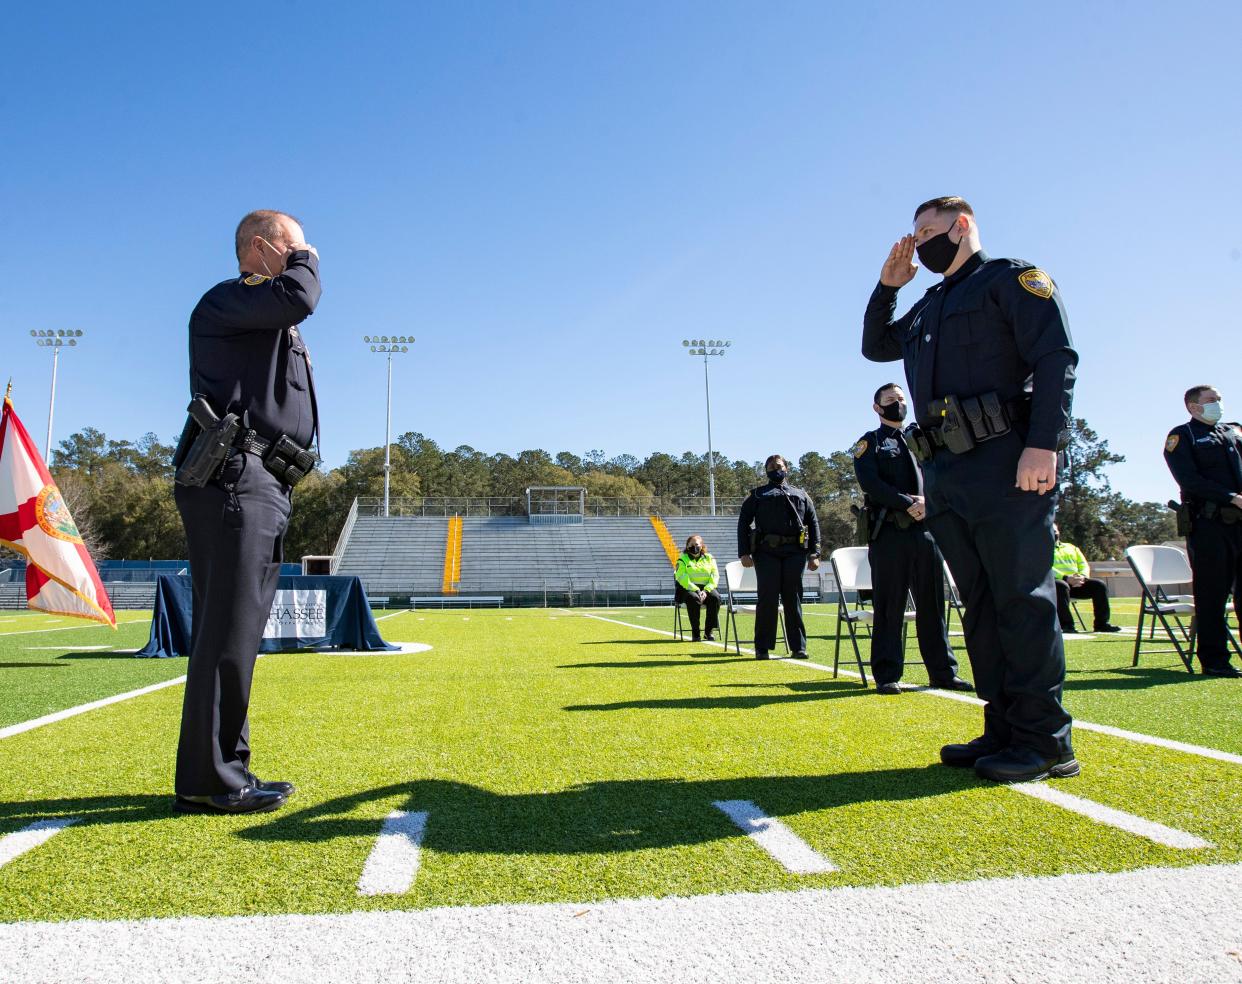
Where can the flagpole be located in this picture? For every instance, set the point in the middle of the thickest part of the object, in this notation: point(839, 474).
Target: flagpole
point(51, 406)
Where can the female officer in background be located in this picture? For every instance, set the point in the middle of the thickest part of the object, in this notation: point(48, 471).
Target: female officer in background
point(696, 577)
point(784, 540)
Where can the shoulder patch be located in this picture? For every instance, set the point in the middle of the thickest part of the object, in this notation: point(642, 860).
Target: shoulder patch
point(1170, 442)
point(1037, 282)
point(860, 448)
point(255, 279)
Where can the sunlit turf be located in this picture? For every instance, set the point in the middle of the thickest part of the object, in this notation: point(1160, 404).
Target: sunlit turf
point(563, 757)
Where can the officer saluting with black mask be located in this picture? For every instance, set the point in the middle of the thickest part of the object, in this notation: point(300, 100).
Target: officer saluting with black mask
point(1205, 457)
point(778, 535)
point(249, 365)
point(990, 368)
point(902, 554)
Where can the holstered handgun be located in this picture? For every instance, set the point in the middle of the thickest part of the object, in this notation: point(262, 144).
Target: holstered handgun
point(918, 442)
point(207, 450)
point(1184, 520)
point(954, 427)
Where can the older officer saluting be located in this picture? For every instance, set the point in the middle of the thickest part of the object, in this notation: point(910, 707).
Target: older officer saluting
point(1205, 457)
point(253, 418)
point(990, 368)
point(901, 551)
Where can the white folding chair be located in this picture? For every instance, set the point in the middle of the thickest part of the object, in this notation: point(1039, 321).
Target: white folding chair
point(952, 599)
point(852, 570)
point(1155, 567)
point(741, 580)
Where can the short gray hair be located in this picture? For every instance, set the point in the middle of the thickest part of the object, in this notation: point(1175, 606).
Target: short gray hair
point(262, 222)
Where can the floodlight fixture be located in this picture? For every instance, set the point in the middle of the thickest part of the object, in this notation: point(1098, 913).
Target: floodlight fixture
point(707, 348)
point(387, 345)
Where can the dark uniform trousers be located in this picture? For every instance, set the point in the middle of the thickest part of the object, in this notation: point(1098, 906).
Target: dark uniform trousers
point(694, 609)
point(998, 542)
point(1092, 588)
point(235, 525)
point(901, 560)
point(778, 574)
point(1215, 552)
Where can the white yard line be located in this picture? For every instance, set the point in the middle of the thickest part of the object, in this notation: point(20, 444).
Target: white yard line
point(17, 729)
point(61, 649)
point(1158, 832)
point(16, 844)
point(393, 862)
point(790, 851)
point(393, 615)
point(1157, 924)
point(1138, 737)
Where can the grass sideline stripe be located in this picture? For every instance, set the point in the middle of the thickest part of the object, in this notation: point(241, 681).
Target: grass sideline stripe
point(393, 862)
point(23, 726)
point(16, 844)
point(1203, 751)
point(789, 850)
point(1158, 832)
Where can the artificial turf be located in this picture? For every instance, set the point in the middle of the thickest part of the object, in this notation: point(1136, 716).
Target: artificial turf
point(566, 758)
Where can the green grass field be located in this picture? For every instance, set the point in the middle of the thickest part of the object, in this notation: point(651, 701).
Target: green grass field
point(573, 756)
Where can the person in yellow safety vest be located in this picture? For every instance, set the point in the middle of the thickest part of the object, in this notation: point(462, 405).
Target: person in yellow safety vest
point(696, 577)
point(1070, 569)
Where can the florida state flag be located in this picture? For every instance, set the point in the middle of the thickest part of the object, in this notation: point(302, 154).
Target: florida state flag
point(60, 575)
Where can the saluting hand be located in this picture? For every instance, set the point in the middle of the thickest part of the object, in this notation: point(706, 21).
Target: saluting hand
point(899, 269)
point(294, 247)
point(1037, 471)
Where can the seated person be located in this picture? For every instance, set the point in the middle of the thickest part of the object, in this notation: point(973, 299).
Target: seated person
point(696, 577)
point(1071, 571)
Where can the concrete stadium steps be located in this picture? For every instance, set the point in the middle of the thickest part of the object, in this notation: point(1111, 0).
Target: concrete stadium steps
point(397, 553)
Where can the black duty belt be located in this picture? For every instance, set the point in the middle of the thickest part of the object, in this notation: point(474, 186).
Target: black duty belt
point(284, 458)
point(253, 442)
point(961, 423)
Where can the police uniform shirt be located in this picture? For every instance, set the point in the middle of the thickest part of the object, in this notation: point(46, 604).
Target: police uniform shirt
point(994, 325)
point(1205, 462)
point(247, 354)
point(886, 470)
point(777, 510)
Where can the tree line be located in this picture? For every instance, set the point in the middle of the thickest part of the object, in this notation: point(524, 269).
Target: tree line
point(120, 492)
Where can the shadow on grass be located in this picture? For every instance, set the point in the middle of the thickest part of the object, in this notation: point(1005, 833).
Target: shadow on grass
point(602, 817)
point(30, 666)
point(123, 654)
point(624, 642)
point(1126, 678)
point(689, 660)
point(815, 690)
point(89, 809)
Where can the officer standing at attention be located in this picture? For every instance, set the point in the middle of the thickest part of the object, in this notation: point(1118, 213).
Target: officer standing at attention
point(901, 551)
point(1203, 455)
point(990, 368)
point(249, 362)
point(778, 535)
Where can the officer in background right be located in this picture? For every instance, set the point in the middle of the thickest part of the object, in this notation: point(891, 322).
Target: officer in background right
point(1204, 456)
point(901, 552)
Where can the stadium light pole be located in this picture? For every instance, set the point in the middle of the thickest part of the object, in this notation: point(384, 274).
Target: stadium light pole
point(388, 345)
point(55, 340)
point(707, 349)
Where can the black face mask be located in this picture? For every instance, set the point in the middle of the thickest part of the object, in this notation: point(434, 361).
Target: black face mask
point(777, 475)
point(896, 412)
point(938, 253)
point(694, 550)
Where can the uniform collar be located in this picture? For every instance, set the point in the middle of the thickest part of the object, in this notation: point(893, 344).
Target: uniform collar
point(888, 427)
point(1202, 426)
point(976, 260)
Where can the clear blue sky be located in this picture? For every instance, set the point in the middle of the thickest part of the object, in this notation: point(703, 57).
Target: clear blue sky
point(550, 196)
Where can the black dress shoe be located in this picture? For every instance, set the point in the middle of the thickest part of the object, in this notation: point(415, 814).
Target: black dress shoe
point(248, 799)
point(696, 638)
point(1228, 670)
point(710, 637)
point(801, 654)
point(953, 683)
point(1073, 631)
point(1107, 628)
point(1017, 763)
point(964, 756)
point(286, 789)
point(761, 654)
point(889, 689)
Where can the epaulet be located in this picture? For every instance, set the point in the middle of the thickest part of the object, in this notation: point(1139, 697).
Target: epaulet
point(1030, 278)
